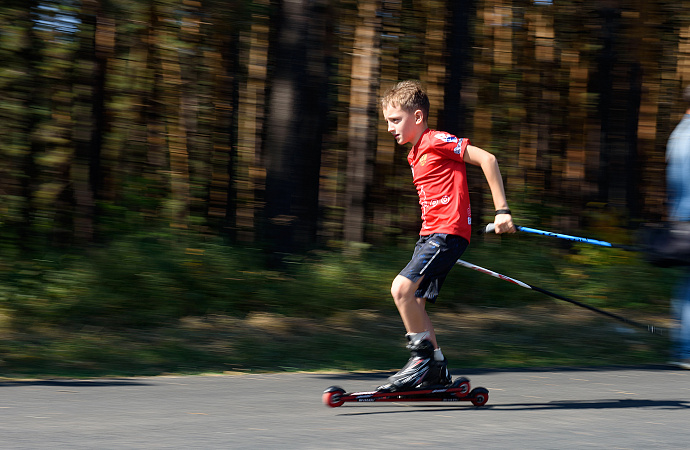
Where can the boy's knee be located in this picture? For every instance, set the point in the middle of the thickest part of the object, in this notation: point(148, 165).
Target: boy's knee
point(395, 292)
point(396, 287)
point(403, 289)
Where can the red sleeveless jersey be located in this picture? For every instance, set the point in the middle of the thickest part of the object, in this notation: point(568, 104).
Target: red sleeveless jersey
point(438, 171)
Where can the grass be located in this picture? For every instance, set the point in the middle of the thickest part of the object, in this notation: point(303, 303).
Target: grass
point(151, 305)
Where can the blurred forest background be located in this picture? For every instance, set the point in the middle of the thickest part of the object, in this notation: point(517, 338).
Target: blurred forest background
point(136, 133)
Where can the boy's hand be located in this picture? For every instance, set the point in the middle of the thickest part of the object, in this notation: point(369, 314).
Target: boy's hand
point(503, 223)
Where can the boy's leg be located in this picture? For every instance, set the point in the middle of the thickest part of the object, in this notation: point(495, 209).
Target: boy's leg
point(418, 283)
point(438, 366)
point(422, 369)
point(412, 309)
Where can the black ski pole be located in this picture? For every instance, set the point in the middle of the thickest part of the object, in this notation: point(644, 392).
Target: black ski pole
point(651, 328)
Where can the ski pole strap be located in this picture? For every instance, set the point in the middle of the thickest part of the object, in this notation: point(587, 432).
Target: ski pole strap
point(488, 228)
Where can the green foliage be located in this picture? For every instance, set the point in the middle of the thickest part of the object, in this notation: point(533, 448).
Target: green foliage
point(172, 302)
point(150, 278)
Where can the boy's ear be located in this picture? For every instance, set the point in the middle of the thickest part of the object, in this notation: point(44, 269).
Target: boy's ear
point(418, 116)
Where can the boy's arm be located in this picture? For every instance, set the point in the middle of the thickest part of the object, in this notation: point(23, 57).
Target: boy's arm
point(478, 157)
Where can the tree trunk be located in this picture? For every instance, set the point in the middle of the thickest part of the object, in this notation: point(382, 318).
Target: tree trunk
point(363, 108)
point(297, 108)
point(456, 112)
point(97, 41)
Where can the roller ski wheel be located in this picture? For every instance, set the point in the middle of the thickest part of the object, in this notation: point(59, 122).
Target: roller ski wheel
point(459, 390)
point(479, 396)
point(333, 396)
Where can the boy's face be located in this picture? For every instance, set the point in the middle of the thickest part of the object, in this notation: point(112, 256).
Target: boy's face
point(403, 125)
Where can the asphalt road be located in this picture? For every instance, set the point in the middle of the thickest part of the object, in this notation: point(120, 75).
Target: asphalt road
point(638, 407)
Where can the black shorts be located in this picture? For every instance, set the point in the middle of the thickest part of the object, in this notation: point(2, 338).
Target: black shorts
point(434, 256)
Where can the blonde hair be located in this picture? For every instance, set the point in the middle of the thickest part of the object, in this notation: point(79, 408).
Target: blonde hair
point(409, 96)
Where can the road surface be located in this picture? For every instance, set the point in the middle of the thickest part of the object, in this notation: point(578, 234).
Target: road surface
point(632, 407)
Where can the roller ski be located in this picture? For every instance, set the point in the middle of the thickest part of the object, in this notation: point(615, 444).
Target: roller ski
point(422, 379)
point(458, 391)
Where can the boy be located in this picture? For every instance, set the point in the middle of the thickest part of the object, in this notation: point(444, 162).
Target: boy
point(438, 162)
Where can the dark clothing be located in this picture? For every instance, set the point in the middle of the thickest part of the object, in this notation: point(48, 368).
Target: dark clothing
point(434, 256)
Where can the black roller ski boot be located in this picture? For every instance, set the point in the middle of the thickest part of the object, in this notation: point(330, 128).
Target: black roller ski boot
point(417, 369)
point(438, 375)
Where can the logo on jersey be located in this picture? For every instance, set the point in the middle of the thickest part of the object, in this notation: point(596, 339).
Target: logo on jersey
point(422, 160)
point(446, 137)
point(458, 148)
